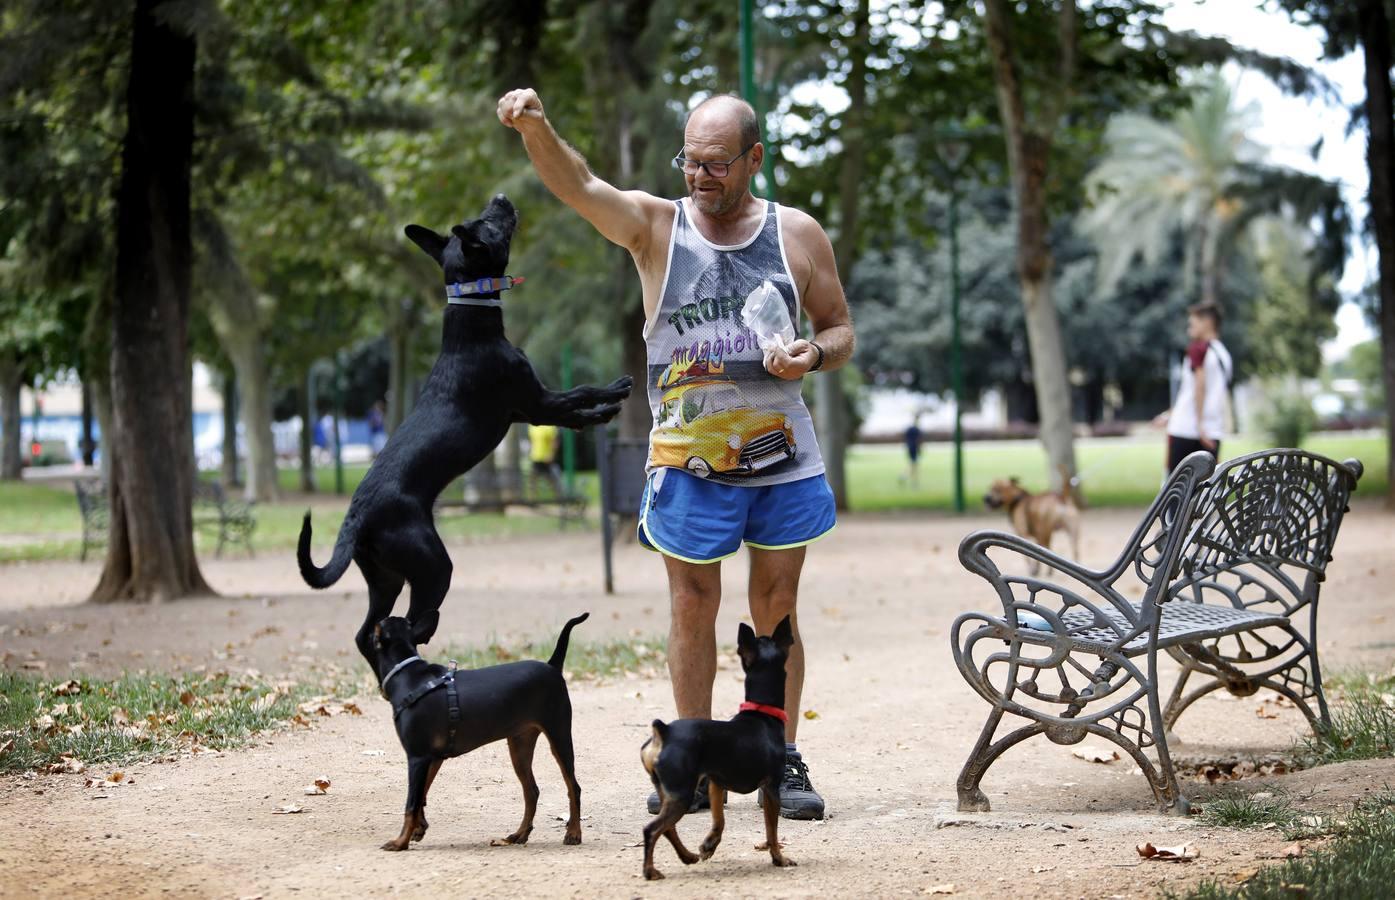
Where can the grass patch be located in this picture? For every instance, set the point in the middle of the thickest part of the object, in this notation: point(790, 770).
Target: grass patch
point(1363, 721)
point(1272, 808)
point(586, 660)
point(46, 724)
point(1115, 471)
point(1358, 864)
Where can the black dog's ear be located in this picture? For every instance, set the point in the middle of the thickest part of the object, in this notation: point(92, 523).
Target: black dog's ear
point(783, 635)
point(428, 240)
point(469, 233)
point(746, 644)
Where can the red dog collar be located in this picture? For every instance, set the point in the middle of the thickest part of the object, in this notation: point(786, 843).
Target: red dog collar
point(772, 711)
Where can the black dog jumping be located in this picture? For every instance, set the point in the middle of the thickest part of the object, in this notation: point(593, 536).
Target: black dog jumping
point(440, 713)
point(481, 384)
point(743, 754)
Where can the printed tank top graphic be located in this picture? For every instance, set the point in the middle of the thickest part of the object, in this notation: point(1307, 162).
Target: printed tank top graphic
point(717, 412)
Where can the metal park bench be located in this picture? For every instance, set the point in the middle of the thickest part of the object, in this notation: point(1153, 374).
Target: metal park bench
point(212, 511)
point(96, 515)
point(494, 490)
point(231, 519)
point(1229, 562)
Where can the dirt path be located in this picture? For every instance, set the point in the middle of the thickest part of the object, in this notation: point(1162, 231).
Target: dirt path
point(895, 722)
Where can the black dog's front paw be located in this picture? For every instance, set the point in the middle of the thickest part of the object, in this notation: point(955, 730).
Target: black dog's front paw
point(621, 387)
point(424, 627)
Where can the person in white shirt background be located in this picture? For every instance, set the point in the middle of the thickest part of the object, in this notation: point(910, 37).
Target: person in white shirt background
point(1197, 420)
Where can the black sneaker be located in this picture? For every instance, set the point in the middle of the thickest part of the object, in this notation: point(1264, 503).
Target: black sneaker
point(798, 799)
point(700, 799)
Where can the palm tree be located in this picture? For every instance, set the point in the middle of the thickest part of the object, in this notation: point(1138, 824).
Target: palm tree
point(1191, 174)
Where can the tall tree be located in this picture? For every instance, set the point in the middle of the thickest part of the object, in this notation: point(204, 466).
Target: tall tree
point(1029, 129)
point(151, 551)
point(831, 410)
point(1369, 26)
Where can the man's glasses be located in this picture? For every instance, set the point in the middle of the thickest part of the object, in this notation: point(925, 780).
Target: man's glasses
point(715, 169)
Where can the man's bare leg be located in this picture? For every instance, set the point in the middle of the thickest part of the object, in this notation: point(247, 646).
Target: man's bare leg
point(774, 590)
point(695, 593)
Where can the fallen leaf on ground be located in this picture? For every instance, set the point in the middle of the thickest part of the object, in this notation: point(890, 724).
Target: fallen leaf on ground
point(186, 697)
point(34, 664)
point(120, 717)
point(1094, 754)
point(59, 710)
point(67, 765)
point(287, 809)
point(7, 746)
point(810, 714)
point(352, 709)
point(71, 686)
point(116, 777)
point(1169, 854)
point(1264, 712)
point(1292, 851)
point(320, 786)
point(939, 889)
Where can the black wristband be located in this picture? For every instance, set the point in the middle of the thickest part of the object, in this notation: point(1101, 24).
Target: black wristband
point(818, 364)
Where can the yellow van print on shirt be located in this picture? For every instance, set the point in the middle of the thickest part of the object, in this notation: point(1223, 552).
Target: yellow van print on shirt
point(706, 426)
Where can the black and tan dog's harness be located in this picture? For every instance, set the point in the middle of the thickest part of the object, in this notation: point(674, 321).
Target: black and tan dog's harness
point(446, 681)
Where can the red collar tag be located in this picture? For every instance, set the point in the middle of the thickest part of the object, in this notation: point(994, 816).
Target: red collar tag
point(772, 711)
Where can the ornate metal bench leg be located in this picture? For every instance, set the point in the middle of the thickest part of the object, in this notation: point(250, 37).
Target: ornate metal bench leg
point(985, 752)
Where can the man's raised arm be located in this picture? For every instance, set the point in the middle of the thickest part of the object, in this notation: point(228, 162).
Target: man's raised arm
point(622, 217)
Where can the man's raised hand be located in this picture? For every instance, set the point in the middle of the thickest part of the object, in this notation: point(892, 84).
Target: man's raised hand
point(519, 105)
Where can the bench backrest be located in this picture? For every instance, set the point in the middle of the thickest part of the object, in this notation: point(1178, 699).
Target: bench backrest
point(1262, 530)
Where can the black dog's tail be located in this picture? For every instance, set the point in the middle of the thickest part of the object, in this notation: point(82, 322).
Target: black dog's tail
point(343, 553)
point(559, 655)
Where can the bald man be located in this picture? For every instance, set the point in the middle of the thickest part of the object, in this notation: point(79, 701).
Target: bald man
point(733, 457)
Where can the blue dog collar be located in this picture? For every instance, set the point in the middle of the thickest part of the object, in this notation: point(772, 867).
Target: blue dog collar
point(465, 293)
point(382, 686)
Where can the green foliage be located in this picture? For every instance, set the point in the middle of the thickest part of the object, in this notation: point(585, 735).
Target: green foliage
point(1286, 416)
point(1235, 807)
point(1357, 865)
point(136, 717)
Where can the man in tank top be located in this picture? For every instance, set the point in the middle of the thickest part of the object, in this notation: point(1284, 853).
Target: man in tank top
point(733, 457)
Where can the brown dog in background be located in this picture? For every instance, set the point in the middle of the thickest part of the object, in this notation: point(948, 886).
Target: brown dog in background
point(1038, 516)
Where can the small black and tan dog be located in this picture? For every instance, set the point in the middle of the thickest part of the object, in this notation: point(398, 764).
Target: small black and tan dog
point(480, 385)
point(441, 713)
point(743, 754)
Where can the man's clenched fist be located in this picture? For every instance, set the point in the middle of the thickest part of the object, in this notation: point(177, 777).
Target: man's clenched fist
point(519, 105)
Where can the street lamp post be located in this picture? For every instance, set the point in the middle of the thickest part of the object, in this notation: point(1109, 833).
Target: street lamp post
point(952, 149)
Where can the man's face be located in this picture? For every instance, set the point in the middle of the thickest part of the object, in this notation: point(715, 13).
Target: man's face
point(1197, 327)
point(715, 138)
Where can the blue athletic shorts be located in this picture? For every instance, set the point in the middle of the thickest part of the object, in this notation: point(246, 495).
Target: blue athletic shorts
point(701, 521)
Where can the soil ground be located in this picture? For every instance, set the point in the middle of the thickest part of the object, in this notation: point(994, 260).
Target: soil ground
point(894, 723)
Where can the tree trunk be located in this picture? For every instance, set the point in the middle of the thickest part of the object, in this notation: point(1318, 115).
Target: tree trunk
point(1374, 26)
point(229, 467)
point(828, 386)
point(399, 344)
point(150, 553)
point(86, 445)
point(1029, 152)
point(11, 448)
point(253, 380)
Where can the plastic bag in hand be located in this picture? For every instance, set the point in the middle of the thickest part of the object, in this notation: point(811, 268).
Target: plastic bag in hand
point(765, 313)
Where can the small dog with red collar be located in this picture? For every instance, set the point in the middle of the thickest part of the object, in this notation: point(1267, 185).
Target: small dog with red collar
point(742, 754)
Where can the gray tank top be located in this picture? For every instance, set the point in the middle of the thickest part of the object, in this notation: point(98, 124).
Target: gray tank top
point(717, 412)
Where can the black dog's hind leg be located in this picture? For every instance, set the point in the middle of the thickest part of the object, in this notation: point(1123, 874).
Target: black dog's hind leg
point(424, 555)
point(383, 588)
point(418, 767)
point(521, 747)
point(717, 798)
point(674, 807)
point(559, 735)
